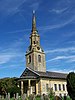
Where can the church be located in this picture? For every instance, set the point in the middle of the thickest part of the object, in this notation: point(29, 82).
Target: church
point(35, 79)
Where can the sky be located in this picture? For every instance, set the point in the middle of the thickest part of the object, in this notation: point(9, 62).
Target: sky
point(55, 21)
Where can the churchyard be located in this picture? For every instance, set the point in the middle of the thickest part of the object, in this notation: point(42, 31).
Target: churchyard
point(32, 97)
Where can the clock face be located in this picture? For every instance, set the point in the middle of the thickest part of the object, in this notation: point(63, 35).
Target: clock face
point(38, 48)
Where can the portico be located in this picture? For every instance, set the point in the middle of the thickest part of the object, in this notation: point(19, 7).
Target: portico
point(29, 86)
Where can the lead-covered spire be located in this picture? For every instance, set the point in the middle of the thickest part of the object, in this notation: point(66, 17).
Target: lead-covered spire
point(33, 22)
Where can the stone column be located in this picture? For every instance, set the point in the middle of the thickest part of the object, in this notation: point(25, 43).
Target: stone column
point(36, 88)
point(21, 87)
point(65, 87)
point(29, 83)
point(61, 87)
point(31, 90)
point(28, 92)
point(40, 87)
point(57, 87)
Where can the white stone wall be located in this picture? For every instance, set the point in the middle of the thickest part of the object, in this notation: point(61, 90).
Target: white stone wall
point(51, 85)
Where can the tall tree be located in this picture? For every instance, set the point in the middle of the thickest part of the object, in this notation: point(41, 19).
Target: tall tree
point(71, 85)
point(9, 85)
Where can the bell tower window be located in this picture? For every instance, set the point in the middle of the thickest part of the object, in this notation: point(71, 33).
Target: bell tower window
point(29, 60)
point(39, 58)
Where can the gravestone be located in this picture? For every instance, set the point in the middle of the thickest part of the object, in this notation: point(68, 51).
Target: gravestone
point(42, 97)
point(31, 97)
point(0, 97)
point(3, 97)
point(14, 96)
point(8, 96)
point(17, 96)
point(23, 96)
point(46, 97)
point(34, 98)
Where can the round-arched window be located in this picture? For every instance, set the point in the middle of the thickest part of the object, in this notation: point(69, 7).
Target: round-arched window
point(39, 58)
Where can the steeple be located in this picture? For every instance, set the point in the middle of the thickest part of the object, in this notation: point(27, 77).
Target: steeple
point(35, 56)
point(33, 22)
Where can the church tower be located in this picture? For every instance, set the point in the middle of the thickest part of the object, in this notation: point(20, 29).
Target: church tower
point(35, 56)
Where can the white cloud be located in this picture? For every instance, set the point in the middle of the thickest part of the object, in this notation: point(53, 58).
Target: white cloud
point(6, 57)
point(68, 59)
point(12, 66)
point(58, 11)
point(57, 58)
point(60, 25)
point(9, 7)
point(12, 52)
point(69, 34)
point(17, 31)
point(62, 70)
point(71, 59)
point(72, 49)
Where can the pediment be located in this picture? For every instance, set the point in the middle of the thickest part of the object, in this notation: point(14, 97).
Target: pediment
point(29, 73)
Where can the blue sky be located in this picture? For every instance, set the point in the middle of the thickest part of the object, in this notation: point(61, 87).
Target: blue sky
point(56, 26)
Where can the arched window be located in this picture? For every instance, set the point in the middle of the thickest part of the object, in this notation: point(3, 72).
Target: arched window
point(39, 58)
point(29, 60)
point(55, 86)
point(59, 87)
point(63, 87)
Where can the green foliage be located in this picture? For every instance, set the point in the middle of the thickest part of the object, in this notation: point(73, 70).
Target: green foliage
point(71, 85)
point(8, 85)
point(13, 90)
point(31, 97)
point(38, 98)
point(51, 93)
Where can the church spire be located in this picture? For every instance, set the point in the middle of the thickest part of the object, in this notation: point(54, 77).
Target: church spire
point(35, 56)
point(33, 22)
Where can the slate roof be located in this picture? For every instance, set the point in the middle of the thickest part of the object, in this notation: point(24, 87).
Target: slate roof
point(54, 75)
point(29, 73)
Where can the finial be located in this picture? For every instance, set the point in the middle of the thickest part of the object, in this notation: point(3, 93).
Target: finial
point(33, 11)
